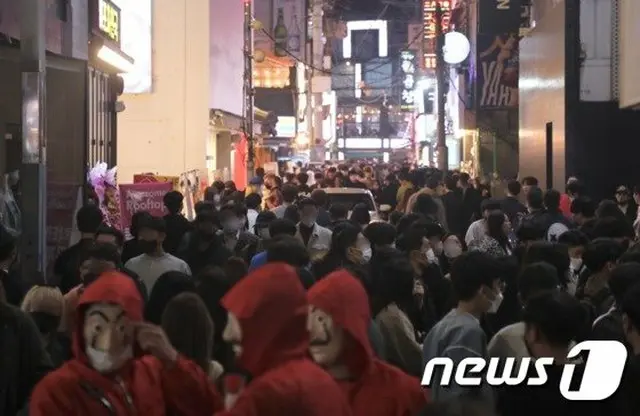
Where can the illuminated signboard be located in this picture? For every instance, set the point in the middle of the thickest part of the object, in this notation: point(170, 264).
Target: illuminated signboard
point(408, 66)
point(429, 42)
point(109, 20)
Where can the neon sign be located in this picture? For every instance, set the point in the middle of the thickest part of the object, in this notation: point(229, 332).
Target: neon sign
point(408, 66)
point(109, 20)
point(429, 22)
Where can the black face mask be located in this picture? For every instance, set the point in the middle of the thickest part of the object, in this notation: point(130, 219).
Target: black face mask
point(148, 247)
point(46, 323)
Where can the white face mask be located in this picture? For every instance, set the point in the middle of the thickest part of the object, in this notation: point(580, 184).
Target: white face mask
point(366, 254)
point(576, 263)
point(438, 248)
point(216, 200)
point(103, 362)
point(452, 250)
point(431, 256)
point(495, 304)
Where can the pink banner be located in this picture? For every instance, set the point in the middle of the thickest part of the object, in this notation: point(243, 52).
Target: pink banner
point(142, 197)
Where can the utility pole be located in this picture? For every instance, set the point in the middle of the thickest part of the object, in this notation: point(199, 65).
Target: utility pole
point(249, 91)
point(441, 78)
point(33, 169)
point(309, 72)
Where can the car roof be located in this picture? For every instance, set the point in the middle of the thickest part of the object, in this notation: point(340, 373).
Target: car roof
point(346, 191)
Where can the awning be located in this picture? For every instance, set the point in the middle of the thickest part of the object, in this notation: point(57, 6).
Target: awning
point(277, 100)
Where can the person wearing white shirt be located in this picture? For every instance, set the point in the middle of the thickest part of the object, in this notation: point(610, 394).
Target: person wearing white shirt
point(253, 202)
point(478, 229)
point(317, 239)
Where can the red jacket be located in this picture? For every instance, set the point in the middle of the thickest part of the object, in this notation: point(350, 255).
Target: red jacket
point(271, 306)
point(565, 205)
point(77, 389)
point(379, 388)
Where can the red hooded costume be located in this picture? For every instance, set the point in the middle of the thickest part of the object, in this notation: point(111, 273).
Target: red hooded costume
point(377, 388)
point(271, 307)
point(153, 388)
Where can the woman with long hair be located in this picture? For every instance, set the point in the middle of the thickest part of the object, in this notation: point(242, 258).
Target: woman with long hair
point(349, 249)
point(496, 241)
point(168, 286)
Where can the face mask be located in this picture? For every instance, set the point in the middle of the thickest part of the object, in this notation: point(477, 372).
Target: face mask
point(104, 362)
point(308, 221)
point(216, 200)
point(231, 226)
point(431, 256)
point(264, 233)
point(366, 254)
point(495, 303)
point(148, 247)
point(576, 263)
point(438, 248)
point(452, 251)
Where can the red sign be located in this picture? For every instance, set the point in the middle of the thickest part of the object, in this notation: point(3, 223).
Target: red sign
point(429, 21)
point(142, 197)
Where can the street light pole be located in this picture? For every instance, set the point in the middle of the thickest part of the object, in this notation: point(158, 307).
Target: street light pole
point(33, 169)
point(248, 86)
point(441, 78)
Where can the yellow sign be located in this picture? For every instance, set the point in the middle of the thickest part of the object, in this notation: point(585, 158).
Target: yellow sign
point(109, 20)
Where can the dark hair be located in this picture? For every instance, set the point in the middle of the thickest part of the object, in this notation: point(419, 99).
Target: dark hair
point(395, 217)
point(112, 231)
point(490, 205)
point(153, 223)
point(530, 181)
point(282, 226)
point(425, 205)
point(168, 286)
point(288, 249)
point(495, 222)
point(610, 227)
point(535, 198)
point(631, 256)
point(303, 178)
point(623, 278)
point(307, 202)
point(600, 252)
point(380, 233)
point(136, 219)
point(292, 214)
point(536, 278)
point(608, 208)
point(338, 212)
point(464, 178)
point(360, 214)
point(253, 201)
point(89, 218)
point(100, 251)
point(583, 205)
point(391, 281)
point(450, 183)
point(556, 315)
point(471, 271)
point(575, 188)
point(552, 200)
point(407, 221)
point(235, 268)
point(433, 181)
point(190, 329)
point(411, 240)
point(320, 197)
point(344, 236)
point(514, 187)
point(173, 201)
point(289, 193)
point(528, 231)
point(573, 238)
point(555, 254)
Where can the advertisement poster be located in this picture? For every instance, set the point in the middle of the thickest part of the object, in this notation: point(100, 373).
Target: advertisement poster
point(61, 206)
point(142, 197)
point(497, 71)
point(288, 27)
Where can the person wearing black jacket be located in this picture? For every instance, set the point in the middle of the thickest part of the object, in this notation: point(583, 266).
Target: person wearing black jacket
point(511, 206)
point(201, 247)
point(177, 224)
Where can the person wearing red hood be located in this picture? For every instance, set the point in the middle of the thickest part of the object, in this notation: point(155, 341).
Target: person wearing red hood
point(109, 375)
point(338, 321)
point(267, 318)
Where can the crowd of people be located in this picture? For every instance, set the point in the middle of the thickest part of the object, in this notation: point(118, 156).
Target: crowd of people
point(274, 302)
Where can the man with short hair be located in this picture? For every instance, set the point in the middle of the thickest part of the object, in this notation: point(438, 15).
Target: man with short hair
point(511, 205)
point(475, 277)
point(154, 261)
point(177, 224)
point(317, 239)
point(289, 195)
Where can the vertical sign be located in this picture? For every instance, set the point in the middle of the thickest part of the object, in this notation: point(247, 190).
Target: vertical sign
point(499, 16)
point(497, 71)
point(408, 67)
point(429, 22)
point(289, 26)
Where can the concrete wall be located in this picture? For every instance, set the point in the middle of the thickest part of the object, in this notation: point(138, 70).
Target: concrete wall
point(542, 96)
point(629, 53)
point(166, 131)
